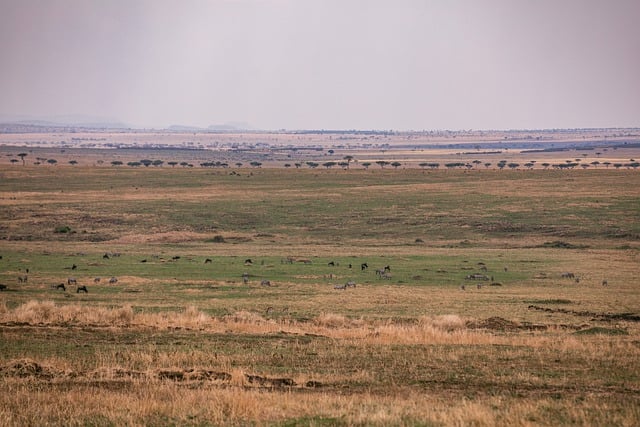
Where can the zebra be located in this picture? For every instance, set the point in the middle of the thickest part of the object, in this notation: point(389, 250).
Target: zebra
point(72, 281)
point(340, 287)
point(245, 278)
point(350, 284)
point(265, 283)
point(96, 280)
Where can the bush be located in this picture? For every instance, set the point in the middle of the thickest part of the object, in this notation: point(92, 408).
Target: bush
point(62, 229)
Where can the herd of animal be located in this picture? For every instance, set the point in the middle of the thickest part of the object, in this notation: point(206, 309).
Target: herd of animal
point(381, 273)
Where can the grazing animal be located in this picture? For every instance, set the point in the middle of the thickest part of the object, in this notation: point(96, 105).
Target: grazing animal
point(331, 264)
point(82, 289)
point(568, 275)
point(269, 310)
point(350, 284)
point(386, 276)
point(2, 287)
point(177, 257)
point(23, 279)
point(364, 266)
point(73, 267)
point(113, 280)
point(144, 260)
point(350, 266)
point(61, 286)
point(341, 287)
point(208, 261)
point(462, 287)
point(245, 278)
point(96, 280)
point(265, 283)
point(248, 261)
point(72, 281)
point(479, 285)
point(105, 256)
point(605, 283)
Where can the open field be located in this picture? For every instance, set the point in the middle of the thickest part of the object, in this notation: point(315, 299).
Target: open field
point(179, 339)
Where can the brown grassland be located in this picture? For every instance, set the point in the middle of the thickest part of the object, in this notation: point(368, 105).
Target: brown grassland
point(474, 323)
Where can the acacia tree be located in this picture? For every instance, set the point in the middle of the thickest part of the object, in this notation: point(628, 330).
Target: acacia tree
point(349, 159)
point(382, 163)
point(396, 165)
point(22, 156)
point(366, 165)
point(52, 161)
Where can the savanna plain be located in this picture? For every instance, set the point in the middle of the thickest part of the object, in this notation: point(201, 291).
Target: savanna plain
point(220, 296)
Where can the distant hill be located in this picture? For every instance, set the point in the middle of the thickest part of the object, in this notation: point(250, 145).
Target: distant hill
point(231, 126)
point(64, 121)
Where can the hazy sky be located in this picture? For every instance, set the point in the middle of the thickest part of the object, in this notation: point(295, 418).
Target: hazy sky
point(325, 64)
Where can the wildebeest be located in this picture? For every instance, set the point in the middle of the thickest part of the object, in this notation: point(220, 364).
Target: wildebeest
point(96, 280)
point(462, 287)
point(82, 289)
point(350, 284)
point(248, 261)
point(73, 267)
point(113, 280)
point(2, 287)
point(364, 266)
point(105, 256)
point(23, 279)
point(568, 275)
point(605, 283)
point(341, 287)
point(72, 281)
point(208, 261)
point(61, 286)
point(265, 283)
point(331, 264)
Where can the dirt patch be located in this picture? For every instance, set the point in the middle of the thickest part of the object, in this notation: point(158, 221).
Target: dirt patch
point(630, 317)
point(501, 324)
point(27, 368)
point(167, 237)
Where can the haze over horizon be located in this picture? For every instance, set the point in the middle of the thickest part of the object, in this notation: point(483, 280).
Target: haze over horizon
point(286, 64)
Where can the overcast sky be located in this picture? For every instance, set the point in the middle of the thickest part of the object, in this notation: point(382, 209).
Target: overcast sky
point(325, 64)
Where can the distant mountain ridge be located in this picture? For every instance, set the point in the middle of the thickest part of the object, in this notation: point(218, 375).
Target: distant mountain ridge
point(78, 121)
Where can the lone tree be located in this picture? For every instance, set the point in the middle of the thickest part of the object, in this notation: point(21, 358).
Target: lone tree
point(22, 156)
point(52, 161)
